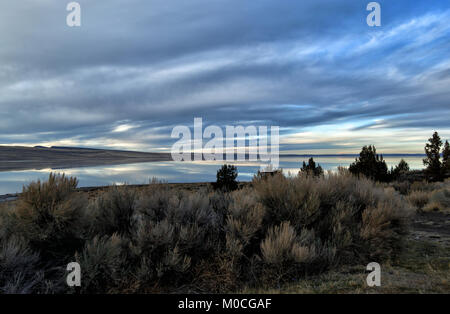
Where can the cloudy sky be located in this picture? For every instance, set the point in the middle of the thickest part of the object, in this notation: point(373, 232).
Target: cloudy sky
point(136, 68)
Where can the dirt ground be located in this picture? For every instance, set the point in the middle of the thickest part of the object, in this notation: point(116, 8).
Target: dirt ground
point(433, 227)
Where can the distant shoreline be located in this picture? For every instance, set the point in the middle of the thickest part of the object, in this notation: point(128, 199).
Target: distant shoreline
point(16, 158)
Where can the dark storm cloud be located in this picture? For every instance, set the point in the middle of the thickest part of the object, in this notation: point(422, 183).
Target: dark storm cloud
point(135, 69)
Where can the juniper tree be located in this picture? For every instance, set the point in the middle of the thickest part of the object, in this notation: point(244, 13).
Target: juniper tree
point(401, 168)
point(226, 178)
point(311, 168)
point(432, 161)
point(370, 164)
point(446, 158)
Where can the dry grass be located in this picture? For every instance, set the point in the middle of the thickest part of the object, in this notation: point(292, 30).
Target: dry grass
point(418, 199)
point(430, 196)
point(423, 267)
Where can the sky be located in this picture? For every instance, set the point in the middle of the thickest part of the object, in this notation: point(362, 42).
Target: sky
point(135, 69)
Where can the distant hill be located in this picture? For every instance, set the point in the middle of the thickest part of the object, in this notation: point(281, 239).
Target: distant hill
point(41, 157)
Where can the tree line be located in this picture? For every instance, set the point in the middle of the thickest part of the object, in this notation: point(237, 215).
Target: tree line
point(369, 164)
point(372, 165)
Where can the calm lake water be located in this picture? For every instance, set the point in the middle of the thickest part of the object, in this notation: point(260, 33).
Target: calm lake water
point(141, 173)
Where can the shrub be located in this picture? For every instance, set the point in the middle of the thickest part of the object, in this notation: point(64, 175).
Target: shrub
point(161, 264)
point(294, 200)
point(244, 230)
point(155, 200)
point(341, 211)
point(113, 211)
point(173, 239)
point(402, 187)
point(51, 217)
point(383, 228)
point(160, 239)
point(7, 222)
point(433, 207)
point(441, 197)
point(418, 199)
point(429, 196)
point(18, 267)
point(102, 263)
point(283, 254)
point(245, 216)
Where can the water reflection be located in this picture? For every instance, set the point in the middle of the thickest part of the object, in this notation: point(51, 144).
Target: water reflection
point(176, 172)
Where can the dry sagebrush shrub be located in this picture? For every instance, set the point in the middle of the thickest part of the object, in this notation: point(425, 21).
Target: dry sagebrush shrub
point(242, 233)
point(160, 262)
point(345, 214)
point(244, 219)
point(281, 248)
point(418, 199)
point(175, 232)
point(407, 187)
point(433, 206)
point(18, 267)
point(102, 263)
point(6, 222)
point(294, 200)
point(403, 187)
point(162, 239)
point(383, 228)
point(154, 201)
point(442, 196)
point(430, 196)
point(51, 216)
point(113, 211)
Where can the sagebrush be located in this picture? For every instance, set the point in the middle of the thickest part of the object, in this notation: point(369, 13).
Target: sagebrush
point(162, 239)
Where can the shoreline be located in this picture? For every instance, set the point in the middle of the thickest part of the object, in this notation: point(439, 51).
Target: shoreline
point(9, 197)
point(19, 158)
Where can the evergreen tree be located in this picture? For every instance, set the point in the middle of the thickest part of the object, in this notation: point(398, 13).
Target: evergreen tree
point(432, 161)
point(446, 158)
point(400, 169)
point(370, 164)
point(311, 168)
point(226, 178)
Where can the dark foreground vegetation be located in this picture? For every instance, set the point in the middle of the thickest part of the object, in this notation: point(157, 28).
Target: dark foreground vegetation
point(157, 239)
point(311, 233)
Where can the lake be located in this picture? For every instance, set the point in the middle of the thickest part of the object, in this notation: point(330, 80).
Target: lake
point(175, 172)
